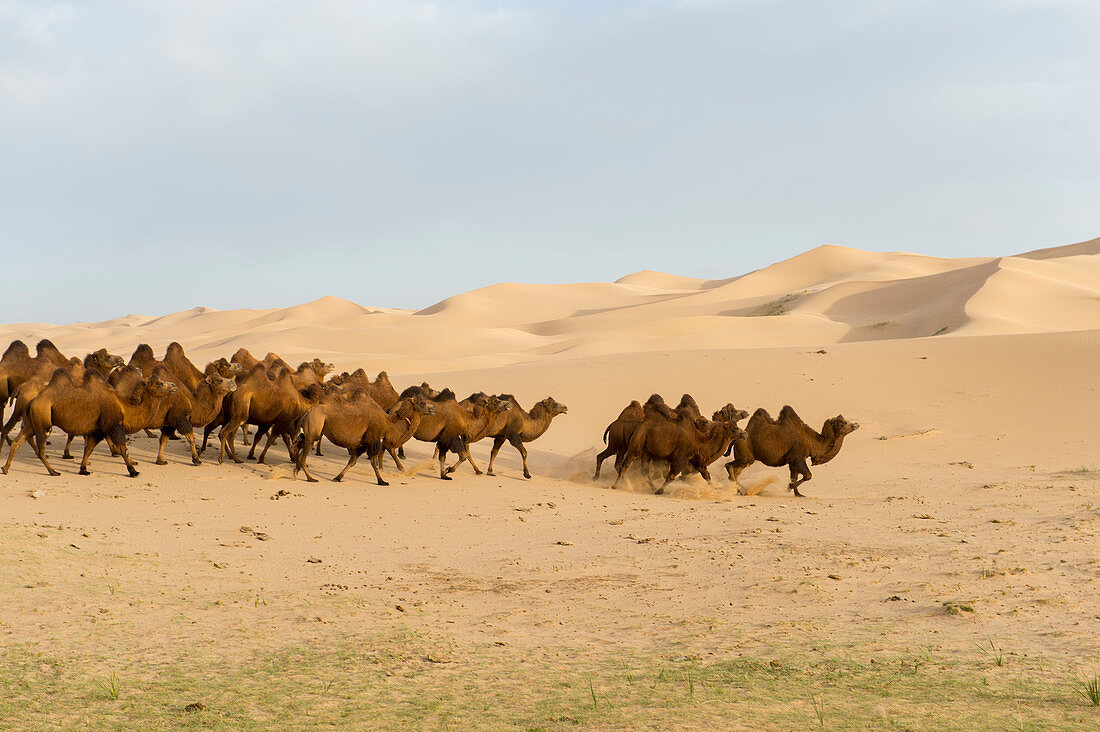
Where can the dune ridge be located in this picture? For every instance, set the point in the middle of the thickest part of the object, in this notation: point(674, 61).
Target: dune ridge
point(829, 294)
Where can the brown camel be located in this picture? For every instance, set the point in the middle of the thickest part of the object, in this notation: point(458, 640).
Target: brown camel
point(678, 438)
point(522, 426)
point(100, 360)
point(188, 408)
point(788, 441)
point(32, 387)
point(617, 434)
point(260, 401)
point(453, 426)
point(358, 424)
point(90, 408)
point(17, 365)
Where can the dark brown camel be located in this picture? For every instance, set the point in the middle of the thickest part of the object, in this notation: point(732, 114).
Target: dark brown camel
point(358, 424)
point(260, 401)
point(678, 438)
point(788, 441)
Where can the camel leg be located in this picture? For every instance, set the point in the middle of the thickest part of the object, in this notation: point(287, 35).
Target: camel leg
point(469, 458)
point(89, 444)
point(518, 444)
point(190, 437)
point(799, 467)
point(149, 432)
point(260, 432)
point(272, 435)
point(627, 460)
point(25, 436)
point(301, 454)
point(118, 441)
point(353, 458)
point(401, 452)
point(396, 459)
point(608, 452)
point(244, 435)
point(68, 443)
point(226, 438)
point(8, 427)
point(376, 463)
point(498, 442)
point(319, 447)
point(160, 448)
point(442, 453)
point(675, 467)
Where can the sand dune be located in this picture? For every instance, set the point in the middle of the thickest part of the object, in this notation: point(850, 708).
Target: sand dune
point(827, 295)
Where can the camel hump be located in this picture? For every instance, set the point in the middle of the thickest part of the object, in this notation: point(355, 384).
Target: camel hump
point(656, 405)
point(144, 350)
point(17, 348)
point(91, 376)
point(174, 348)
point(45, 345)
point(62, 376)
point(446, 394)
point(687, 400)
point(382, 376)
point(788, 412)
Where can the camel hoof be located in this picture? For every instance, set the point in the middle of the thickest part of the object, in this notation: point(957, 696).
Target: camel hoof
point(337, 479)
point(4, 471)
point(196, 461)
point(160, 462)
point(446, 477)
point(382, 482)
point(490, 472)
point(66, 457)
point(82, 471)
point(311, 480)
point(134, 473)
point(238, 461)
point(527, 475)
point(54, 473)
point(251, 457)
point(478, 472)
point(260, 462)
point(660, 491)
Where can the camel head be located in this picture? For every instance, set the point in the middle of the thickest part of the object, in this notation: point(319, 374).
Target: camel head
point(158, 387)
point(220, 384)
point(428, 391)
point(106, 362)
point(422, 405)
point(496, 404)
point(730, 413)
point(841, 426)
point(320, 368)
point(553, 407)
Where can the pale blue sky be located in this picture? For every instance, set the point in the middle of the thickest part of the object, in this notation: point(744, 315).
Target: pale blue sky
point(155, 156)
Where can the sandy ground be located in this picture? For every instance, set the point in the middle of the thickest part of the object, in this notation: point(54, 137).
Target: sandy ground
point(963, 513)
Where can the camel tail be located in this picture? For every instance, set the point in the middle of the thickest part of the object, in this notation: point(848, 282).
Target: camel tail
point(606, 432)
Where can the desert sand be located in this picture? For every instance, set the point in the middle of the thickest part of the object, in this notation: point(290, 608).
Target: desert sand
point(940, 572)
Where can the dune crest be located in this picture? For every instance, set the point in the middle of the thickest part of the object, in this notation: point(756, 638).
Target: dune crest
point(829, 294)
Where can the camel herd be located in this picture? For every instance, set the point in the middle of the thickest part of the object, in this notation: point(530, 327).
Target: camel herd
point(104, 398)
point(687, 441)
